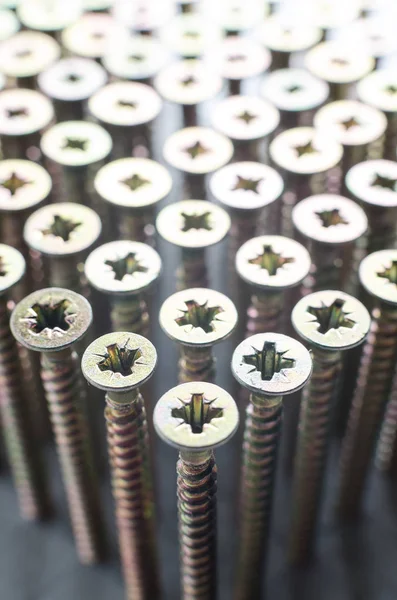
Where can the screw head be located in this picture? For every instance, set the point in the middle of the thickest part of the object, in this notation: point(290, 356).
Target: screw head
point(189, 34)
point(119, 362)
point(330, 219)
point(245, 117)
point(294, 90)
point(374, 182)
point(138, 58)
point(12, 267)
point(23, 112)
point(193, 223)
point(62, 229)
point(379, 89)
point(122, 267)
point(72, 79)
point(9, 24)
point(76, 143)
point(240, 58)
point(272, 364)
point(246, 185)
point(272, 262)
point(27, 53)
point(284, 35)
point(23, 185)
point(377, 274)
point(331, 320)
point(337, 62)
point(92, 34)
point(197, 150)
point(177, 423)
point(198, 317)
point(371, 33)
point(238, 15)
point(51, 319)
point(37, 14)
point(188, 82)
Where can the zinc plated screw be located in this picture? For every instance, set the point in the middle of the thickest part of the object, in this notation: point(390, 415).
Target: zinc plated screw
point(119, 363)
point(63, 233)
point(92, 34)
point(193, 225)
point(377, 275)
point(17, 427)
point(39, 15)
point(196, 418)
point(331, 322)
point(270, 366)
point(197, 319)
point(51, 321)
point(124, 271)
point(189, 35)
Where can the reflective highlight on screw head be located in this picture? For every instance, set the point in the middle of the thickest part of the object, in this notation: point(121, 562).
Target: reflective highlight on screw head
point(12, 267)
point(378, 275)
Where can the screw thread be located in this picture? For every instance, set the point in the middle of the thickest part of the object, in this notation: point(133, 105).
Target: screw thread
point(386, 453)
point(311, 456)
point(22, 448)
point(260, 446)
point(196, 492)
point(128, 442)
point(137, 226)
point(370, 397)
point(61, 384)
point(130, 314)
point(193, 270)
point(390, 137)
point(265, 313)
point(382, 228)
point(64, 273)
point(196, 364)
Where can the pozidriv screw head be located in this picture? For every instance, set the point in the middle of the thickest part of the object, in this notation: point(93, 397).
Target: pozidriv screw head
point(374, 182)
point(378, 275)
point(72, 79)
point(39, 15)
point(23, 112)
point(240, 57)
point(76, 143)
point(282, 34)
point(27, 53)
point(338, 62)
point(187, 82)
point(12, 267)
point(245, 117)
point(137, 58)
point(92, 34)
point(23, 184)
point(379, 89)
point(294, 90)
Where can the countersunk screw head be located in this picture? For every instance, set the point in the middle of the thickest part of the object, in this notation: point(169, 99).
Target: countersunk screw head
point(196, 416)
point(294, 90)
point(92, 34)
point(27, 53)
point(374, 182)
point(239, 57)
point(119, 362)
point(51, 320)
point(137, 58)
point(193, 223)
point(245, 117)
point(12, 267)
point(188, 82)
point(23, 184)
point(272, 262)
point(189, 34)
point(62, 229)
point(331, 320)
point(272, 364)
point(72, 79)
point(39, 15)
point(198, 317)
point(23, 112)
point(338, 62)
point(122, 267)
point(378, 275)
point(379, 89)
point(284, 35)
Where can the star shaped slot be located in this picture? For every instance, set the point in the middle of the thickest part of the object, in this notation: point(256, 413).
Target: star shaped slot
point(199, 316)
point(197, 412)
point(293, 89)
point(389, 273)
point(135, 182)
point(72, 78)
point(246, 184)
point(23, 53)
point(196, 150)
point(391, 89)
point(339, 62)
point(61, 227)
point(270, 261)
point(196, 221)
point(120, 359)
point(349, 123)
point(304, 149)
point(71, 143)
point(188, 81)
point(50, 318)
point(136, 57)
point(13, 113)
point(247, 117)
point(268, 361)
point(330, 218)
point(127, 104)
point(14, 183)
point(236, 58)
point(388, 183)
point(332, 316)
point(128, 265)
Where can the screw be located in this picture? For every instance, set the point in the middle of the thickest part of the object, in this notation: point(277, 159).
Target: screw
point(270, 366)
point(19, 433)
point(197, 152)
point(50, 321)
point(193, 225)
point(331, 322)
point(63, 232)
point(188, 35)
point(124, 271)
point(9, 24)
point(92, 34)
point(119, 363)
point(197, 417)
point(197, 319)
point(236, 18)
point(127, 110)
point(377, 275)
point(308, 159)
point(270, 264)
point(69, 83)
point(132, 187)
point(40, 16)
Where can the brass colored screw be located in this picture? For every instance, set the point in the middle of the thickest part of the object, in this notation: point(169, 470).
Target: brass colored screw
point(197, 318)
point(377, 275)
point(196, 418)
point(50, 321)
point(119, 363)
point(270, 366)
point(331, 322)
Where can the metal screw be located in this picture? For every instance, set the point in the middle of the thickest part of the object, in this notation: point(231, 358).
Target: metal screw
point(188, 35)
point(193, 225)
point(124, 271)
point(15, 407)
point(51, 19)
point(270, 366)
point(51, 321)
point(92, 34)
point(331, 322)
point(197, 417)
point(238, 17)
point(63, 232)
point(377, 275)
point(386, 451)
point(119, 363)
point(197, 319)
point(9, 23)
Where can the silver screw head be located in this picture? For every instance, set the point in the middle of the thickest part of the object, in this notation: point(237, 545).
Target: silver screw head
point(338, 62)
point(198, 317)
point(122, 267)
point(39, 15)
point(378, 275)
point(379, 89)
point(140, 57)
point(272, 262)
point(51, 319)
point(23, 184)
point(23, 112)
point(27, 53)
point(72, 79)
point(245, 117)
point(293, 90)
point(374, 182)
point(119, 362)
point(92, 35)
point(282, 34)
point(62, 229)
point(238, 57)
point(196, 416)
point(12, 267)
point(187, 82)
point(189, 34)
point(272, 364)
point(331, 320)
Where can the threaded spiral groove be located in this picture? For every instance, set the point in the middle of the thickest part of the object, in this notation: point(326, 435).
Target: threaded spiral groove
point(196, 364)
point(130, 314)
point(265, 313)
point(193, 270)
